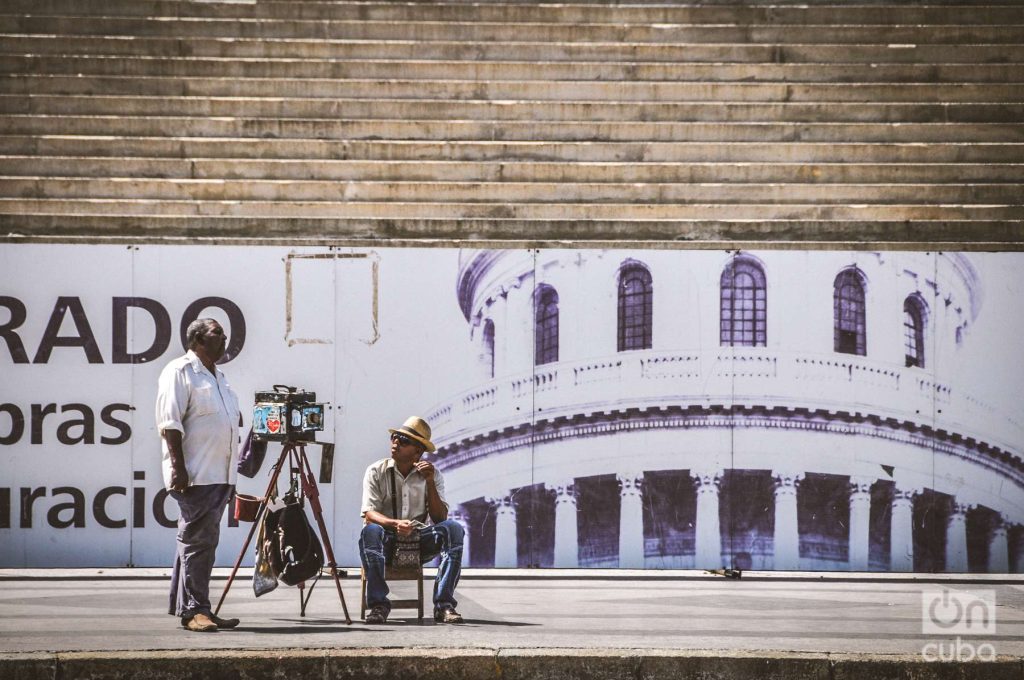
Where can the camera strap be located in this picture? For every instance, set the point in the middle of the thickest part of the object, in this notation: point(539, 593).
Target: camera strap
point(405, 552)
point(394, 494)
point(394, 498)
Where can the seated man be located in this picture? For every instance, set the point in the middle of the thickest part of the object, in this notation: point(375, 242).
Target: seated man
point(398, 493)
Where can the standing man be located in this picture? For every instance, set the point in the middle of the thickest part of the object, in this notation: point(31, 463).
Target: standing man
point(398, 493)
point(197, 416)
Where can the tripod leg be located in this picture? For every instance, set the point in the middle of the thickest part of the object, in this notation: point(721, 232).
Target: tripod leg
point(341, 595)
point(313, 496)
point(252, 531)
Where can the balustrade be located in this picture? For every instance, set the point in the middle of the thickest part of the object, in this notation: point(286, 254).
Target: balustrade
point(670, 366)
point(480, 399)
point(748, 376)
point(597, 372)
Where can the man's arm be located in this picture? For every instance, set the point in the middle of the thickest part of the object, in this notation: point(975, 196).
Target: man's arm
point(171, 403)
point(402, 527)
point(179, 474)
point(436, 507)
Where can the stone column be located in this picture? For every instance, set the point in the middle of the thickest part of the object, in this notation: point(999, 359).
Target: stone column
point(708, 548)
point(998, 548)
point(787, 534)
point(1020, 550)
point(631, 520)
point(901, 537)
point(462, 517)
point(506, 549)
point(956, 539)
point(567, 549)
point(860, 523)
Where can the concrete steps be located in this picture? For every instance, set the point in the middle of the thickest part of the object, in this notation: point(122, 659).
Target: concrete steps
point(953, 13)
point(572, 152)
point(557, 91)
point(128, 188)
point(426, 30)
point(522, 211)
point(945, 233)
point(566, 174)
point(512, 130)
point(508, 120)
point(566, 152)
point(510, 111)
point(622, 73)
point(790, 52)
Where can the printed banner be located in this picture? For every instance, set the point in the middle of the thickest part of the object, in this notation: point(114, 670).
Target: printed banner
point(787, 410)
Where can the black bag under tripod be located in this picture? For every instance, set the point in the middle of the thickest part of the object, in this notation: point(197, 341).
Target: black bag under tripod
point(290, 544)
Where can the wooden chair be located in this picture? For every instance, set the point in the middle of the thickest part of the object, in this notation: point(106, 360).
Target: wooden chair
point(396, 574)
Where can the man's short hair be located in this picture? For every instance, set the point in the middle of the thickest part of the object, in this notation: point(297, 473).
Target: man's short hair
point(196, 330)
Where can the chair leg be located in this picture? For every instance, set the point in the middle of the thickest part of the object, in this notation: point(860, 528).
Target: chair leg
point(362, 595)
point(419, 583)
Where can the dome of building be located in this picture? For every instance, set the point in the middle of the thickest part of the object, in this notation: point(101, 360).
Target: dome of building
point(760, 410)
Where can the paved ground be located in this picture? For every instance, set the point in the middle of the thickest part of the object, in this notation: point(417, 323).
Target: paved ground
point(124, 610)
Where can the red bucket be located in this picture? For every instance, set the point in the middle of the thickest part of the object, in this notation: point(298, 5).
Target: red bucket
point(246, 507)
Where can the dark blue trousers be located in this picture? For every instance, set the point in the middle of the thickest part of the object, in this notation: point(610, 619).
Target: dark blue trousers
point(444, 539)
point(202, 508)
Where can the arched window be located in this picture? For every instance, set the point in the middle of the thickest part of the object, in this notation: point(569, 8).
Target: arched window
point(850, 331)
point(744, 308)
point(488, 342)
point(545, 335)
point(636, 309)
point(913, 331)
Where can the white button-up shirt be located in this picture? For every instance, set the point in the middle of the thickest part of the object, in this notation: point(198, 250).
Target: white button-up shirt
point(410, 492)
point(204, 408)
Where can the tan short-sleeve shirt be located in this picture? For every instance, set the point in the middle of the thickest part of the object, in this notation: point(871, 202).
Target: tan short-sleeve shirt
point(410, 492)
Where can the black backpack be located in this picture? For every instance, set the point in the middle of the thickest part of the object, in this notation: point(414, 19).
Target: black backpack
point(290, 545)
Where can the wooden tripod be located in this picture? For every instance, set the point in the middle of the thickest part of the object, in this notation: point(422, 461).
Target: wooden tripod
point(295, 455)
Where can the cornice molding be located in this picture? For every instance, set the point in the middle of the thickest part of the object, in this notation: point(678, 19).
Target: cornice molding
point(469, 449)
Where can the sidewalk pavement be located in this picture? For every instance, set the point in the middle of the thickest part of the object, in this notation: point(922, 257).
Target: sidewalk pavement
point(564, 623)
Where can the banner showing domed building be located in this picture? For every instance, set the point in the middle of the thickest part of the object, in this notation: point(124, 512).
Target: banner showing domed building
point(643, 408)
point(767, 410)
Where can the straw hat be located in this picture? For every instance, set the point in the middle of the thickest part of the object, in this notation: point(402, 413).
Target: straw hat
point(416, 428)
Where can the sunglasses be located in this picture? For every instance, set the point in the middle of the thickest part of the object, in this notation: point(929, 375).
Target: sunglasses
point(403, 440)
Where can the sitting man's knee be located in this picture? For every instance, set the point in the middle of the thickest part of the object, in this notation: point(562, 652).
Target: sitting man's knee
point(372, 533)
point(455, 530)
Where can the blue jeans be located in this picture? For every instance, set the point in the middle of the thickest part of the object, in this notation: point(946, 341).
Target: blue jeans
point(444, 539)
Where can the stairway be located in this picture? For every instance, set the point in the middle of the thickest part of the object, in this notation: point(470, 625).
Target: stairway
point(325, 121)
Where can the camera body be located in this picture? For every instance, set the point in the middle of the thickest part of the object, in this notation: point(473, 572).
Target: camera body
point(287, 414)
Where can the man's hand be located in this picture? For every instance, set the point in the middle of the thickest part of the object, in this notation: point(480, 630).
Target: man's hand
point(179, 478)
point(179, 475)
point(404, 527)
point(426, 469)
